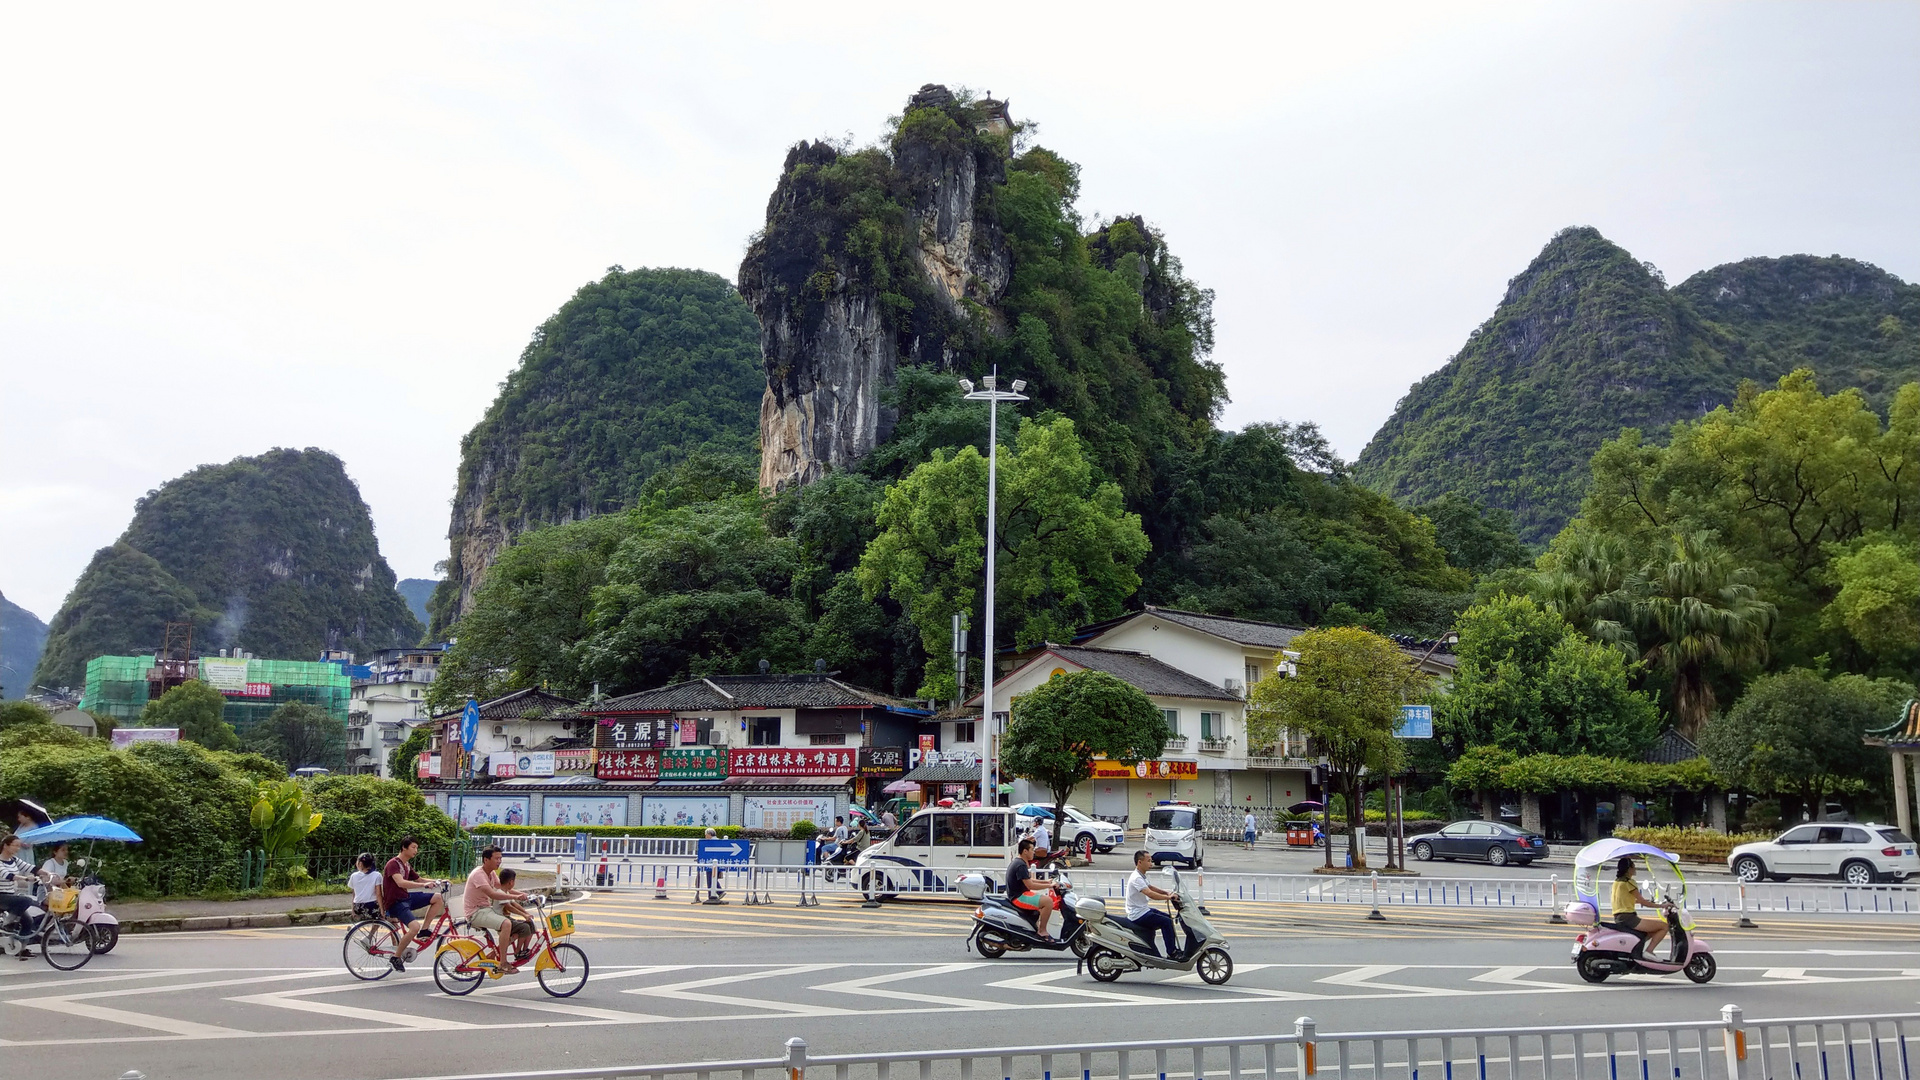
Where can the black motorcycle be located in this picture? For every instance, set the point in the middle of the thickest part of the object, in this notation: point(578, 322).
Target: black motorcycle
point(1000, 926)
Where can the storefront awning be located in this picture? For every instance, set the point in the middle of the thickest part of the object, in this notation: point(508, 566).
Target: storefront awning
point(944, 774)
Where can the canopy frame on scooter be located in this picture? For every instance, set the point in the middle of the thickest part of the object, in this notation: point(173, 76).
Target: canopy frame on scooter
point(1589, 860)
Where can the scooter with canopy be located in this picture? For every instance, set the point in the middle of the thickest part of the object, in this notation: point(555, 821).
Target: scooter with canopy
point(1606, 948)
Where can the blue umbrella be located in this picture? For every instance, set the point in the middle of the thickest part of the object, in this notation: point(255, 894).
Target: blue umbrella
point(1034, 810)
point(80, 828)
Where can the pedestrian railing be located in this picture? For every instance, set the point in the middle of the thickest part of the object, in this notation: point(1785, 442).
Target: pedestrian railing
point(624, 847)
point(1866, 1047)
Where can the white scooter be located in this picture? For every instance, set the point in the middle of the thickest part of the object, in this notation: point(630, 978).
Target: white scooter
point(1116, 946)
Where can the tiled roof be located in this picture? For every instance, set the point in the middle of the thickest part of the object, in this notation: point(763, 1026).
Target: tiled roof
point(1672, 748)
point(1263, 635)
point(1136, 669)
point(530, 704)
point(1902, 732)
point(726, 693)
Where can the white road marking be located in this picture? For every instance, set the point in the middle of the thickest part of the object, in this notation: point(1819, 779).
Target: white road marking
point(80, 1005)
point(1511, 976)
point(1041, 983)
point(865, 986)
point(298, 1001)
point(687, 991)
point(1362, 978)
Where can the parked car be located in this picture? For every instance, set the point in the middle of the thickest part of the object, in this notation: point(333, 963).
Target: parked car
point(1859, 854)
point(1494, 841)
point(1106, 835)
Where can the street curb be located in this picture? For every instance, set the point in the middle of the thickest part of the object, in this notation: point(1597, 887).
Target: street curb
point(235, 922)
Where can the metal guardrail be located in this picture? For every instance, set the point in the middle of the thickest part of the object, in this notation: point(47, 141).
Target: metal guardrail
point(1547, 896)
point(624, 847)
point(1880, 1047)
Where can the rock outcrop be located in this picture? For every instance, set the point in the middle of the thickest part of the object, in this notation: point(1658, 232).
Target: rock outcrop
point(869, 258)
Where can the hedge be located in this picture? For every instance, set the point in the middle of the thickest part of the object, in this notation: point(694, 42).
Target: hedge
point(1487, 767)
point(1693, 845)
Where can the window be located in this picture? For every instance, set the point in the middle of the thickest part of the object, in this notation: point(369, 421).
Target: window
point(1172, 717)
point(1165, 819)
point(416, 692)
point(1847, 836)
point(989, 830)
point(1212, 726)
point(1253, 674)
point(963, 731)
point(763, 731)
point(826, 740)
point(699, 732)
point(1895, 836)
point(912, 834)
point(952, 830)
point(1805, 834)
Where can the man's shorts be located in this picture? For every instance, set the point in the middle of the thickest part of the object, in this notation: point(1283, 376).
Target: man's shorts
point(1037, 900)
point(486, 918)
point(404, 910)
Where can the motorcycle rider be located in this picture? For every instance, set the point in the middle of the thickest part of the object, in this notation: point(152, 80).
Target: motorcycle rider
point(1140, 909)
point(1626, 901)
point(1025, 892)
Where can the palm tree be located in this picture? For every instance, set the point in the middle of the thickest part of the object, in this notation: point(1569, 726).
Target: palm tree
point(1700, 613)
point(1590, 584)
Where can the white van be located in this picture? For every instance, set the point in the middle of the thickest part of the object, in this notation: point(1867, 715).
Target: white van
point(1174, 835)
point(932, 849)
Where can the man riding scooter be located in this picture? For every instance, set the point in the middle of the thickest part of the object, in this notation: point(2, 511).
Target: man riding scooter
point(1027, 894)
point(1140, 909)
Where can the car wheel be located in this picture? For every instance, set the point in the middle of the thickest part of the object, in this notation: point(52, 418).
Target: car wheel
point(1423, 851)
point(1749, 868)
point(1497, 855)
point(1858, 872)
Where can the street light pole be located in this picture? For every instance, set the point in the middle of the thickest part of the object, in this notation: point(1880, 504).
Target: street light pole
point(993, 396)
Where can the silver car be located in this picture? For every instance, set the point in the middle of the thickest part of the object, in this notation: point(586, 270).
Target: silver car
point(1858, 854)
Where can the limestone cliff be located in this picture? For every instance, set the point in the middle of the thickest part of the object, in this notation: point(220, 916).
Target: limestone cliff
point(869, 258)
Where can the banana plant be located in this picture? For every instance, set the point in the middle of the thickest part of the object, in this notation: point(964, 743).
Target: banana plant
point(283, 816)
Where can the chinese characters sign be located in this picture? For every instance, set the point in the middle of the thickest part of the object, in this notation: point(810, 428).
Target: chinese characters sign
point(629, 765)
point(573, 762)
point(882, 760)
point(694, 763)
point(1146, 770)
point(775, 761)
point(635, 733)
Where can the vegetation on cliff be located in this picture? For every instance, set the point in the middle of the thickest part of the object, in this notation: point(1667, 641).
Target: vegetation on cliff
point(22, 636)
point(637, 371)
point(274, 554)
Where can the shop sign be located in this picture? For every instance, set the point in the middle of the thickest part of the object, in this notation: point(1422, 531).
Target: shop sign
point(525, 763)
point(694, 763)
point(882, 760)
point(1146, 770)
point(573, 762)
point(225, 675)
point(773, 761)
point(427, 766)
point(628, 765)
point(918, 757)
point(127, 736)
point(629, 733)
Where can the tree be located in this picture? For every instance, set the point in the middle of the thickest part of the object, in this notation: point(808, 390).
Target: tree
point(1529, 683)
point(1346, 697)
point(16, 713)
point(1796, 732)
point(196, 709)
point(1067, 547)
point(283, 815)
point(1699, 614)
point(1057, 728)
point(1879, 598)
point(1475, 537)
point(300, 736)
point(401, 759)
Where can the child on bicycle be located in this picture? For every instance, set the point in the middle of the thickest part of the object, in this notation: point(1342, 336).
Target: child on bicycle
point(488, 888)
point(519, 920)
point(365, 883)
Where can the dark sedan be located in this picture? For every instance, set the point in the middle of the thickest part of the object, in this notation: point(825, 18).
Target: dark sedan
point(1494, 841)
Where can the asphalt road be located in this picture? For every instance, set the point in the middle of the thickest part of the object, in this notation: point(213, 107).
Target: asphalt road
point(678, 982)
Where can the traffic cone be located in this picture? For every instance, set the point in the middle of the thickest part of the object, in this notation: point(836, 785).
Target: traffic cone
point(660, 887)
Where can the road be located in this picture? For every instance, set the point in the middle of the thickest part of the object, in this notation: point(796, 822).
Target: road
point(678, 982)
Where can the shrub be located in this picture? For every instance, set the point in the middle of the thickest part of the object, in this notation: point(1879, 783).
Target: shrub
point(1692, 845)
point(366, 813)
point(804, 829)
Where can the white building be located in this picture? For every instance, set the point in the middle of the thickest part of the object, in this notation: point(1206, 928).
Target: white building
point(384, 708)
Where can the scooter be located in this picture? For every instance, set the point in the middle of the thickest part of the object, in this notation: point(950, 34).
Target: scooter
point(1117, 946)
point(1000, 926)
point(1609, 950)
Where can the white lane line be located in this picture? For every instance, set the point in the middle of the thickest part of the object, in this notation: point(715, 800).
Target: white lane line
point(495, 995)
point(688, 991)
point(1362, 978)
point(864, 987)
point(300, 1001)
point(80, 1004)
point(1511, 976)
point(1040, 983)
point(81, 982)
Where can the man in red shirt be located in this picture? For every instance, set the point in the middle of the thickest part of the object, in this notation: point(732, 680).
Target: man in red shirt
point(402, 895)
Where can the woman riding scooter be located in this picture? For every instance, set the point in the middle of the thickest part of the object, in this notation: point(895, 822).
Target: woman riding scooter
point(1626, 903)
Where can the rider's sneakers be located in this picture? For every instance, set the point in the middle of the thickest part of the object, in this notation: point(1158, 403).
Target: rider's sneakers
point(397, 965)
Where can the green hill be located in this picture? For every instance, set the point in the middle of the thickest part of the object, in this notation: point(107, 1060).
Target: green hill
point(22, 635)
point(274, 554)
point(1588, 341)
point(637, 371)
point(416, 592)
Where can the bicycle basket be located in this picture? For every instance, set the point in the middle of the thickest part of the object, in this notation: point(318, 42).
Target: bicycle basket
point(560, 923)
point(63, 901)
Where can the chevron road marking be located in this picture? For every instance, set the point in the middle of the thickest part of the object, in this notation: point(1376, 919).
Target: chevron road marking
point(81, 1005)
point(865, 987)
point(1510, 976)
point(1363, 977)
point(685, 991)
point(301, 1001)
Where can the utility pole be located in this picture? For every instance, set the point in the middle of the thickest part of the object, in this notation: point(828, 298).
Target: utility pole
point(993, 396)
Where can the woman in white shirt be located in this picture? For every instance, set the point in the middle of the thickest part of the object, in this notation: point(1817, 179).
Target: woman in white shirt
point(55, 868)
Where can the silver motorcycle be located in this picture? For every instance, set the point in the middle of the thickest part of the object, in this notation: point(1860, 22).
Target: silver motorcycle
point(1116, 946)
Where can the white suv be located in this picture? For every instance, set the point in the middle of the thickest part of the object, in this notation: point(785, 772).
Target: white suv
point(1106, 835)
point(1859, 854)
point(1173, 834)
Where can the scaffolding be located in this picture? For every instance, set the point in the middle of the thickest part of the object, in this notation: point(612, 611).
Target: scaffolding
point(118, 687)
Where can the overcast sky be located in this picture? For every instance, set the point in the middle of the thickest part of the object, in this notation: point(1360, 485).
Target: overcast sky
point(223, 230)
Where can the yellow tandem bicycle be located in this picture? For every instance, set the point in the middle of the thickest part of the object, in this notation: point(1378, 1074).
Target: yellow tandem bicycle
point(463, 962)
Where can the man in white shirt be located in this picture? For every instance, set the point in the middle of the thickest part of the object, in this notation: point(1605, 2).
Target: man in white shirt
point(1042, 839)
point(1140, 909)
point(1251, 829)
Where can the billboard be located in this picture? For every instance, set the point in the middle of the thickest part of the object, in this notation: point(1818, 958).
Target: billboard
point(628, 765)
point(1146, 770)
point(128, 736)
point(225, 675)
point(522, 763)
point(697, 811)
point(773, 761)
point(426, 766)
point(584, 810)
point(575, 762)
point(781, 811)
point(633, 734)
point(694, 763)
point(471, 810)
point(882, 760)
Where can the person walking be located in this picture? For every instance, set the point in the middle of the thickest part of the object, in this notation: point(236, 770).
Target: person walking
point(1251, 829)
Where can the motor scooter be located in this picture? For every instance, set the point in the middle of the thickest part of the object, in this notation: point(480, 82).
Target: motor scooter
point(1000, 926)
point(1116, 945)
point(1605, 949)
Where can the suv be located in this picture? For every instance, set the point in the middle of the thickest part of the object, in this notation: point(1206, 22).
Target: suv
point(1105, 835)
point(1173, 834)
point(1859, 854)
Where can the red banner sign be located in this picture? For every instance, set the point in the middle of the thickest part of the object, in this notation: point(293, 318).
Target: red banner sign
point(1146, 770)
point(628, 765)
point(775, 761)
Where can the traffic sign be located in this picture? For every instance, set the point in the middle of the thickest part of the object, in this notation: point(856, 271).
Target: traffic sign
point(724, 851)
point(470, 724)
point(1416, 722)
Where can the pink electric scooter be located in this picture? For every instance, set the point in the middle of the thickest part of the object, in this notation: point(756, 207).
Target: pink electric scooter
point(1605, 949)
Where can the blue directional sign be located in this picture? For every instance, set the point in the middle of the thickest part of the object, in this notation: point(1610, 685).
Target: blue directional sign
point(1416, 722)
point(469, 725)
point(724, 851)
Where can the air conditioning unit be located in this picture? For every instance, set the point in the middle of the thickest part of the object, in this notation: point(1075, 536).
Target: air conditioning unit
point(1235, 685)
point(499, 729)
point(517, 740)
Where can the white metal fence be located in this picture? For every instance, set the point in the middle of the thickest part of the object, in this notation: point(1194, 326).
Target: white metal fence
point(1544, 895)
point(621, 847)
point(1874, 1047)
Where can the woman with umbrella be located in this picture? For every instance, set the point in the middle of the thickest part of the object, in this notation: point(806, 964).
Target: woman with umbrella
point(24, 814)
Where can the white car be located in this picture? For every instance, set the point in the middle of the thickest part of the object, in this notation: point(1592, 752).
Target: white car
point(1106, 835)
point(1859, 854)
point(1173, 834)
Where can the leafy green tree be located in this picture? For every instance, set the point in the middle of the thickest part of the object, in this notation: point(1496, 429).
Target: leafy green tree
point(121, 604)
point(1067, 547)
point(16, 713)
point(1699, 614)
point(1797, 733)
point(1475, 537)
point(366, 813)
point(40, 734)
point(282, 815)
point(1529, 683)
point(1345, 695)
point(197, 710)
point(1056, 729)
point(401, 760)
point(1879, 598)
point(300, 736)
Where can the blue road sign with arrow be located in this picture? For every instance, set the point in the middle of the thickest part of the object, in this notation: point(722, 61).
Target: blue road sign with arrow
point(469, 725)
point(724, 851)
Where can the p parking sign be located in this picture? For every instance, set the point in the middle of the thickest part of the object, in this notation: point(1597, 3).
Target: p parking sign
point(1416, 722)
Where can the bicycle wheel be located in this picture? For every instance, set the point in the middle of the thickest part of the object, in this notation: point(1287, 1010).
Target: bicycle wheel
point(449, 977)
point(571, 974)
point(369, 950)
point(66, 943)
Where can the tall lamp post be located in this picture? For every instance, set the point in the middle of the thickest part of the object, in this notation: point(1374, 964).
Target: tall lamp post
point(993, 396)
